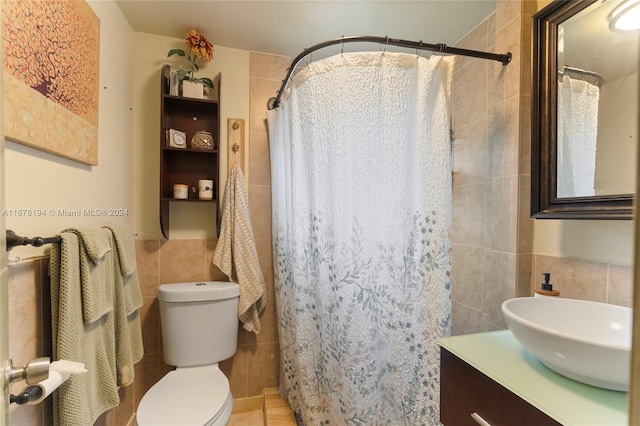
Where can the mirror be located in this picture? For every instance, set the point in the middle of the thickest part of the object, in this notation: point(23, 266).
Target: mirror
point(585, 109)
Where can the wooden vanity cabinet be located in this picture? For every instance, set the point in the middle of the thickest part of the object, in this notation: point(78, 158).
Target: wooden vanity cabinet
point(465, 391)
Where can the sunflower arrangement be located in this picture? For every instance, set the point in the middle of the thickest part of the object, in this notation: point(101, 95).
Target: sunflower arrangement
point(198, 47)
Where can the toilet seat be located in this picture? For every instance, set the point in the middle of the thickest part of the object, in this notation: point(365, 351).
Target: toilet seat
point(195, 396)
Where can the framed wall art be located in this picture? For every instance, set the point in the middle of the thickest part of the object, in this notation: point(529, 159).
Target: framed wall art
point(51, 60)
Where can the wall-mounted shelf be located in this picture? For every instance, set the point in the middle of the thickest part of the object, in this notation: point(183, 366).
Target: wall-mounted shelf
point(186, 165)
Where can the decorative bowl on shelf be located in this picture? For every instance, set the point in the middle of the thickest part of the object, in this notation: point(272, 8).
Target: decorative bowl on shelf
point(203, 140)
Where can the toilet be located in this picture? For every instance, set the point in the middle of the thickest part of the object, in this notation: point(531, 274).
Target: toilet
point(199, 322)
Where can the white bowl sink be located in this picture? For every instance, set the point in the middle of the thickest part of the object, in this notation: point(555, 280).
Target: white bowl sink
point(586, 341)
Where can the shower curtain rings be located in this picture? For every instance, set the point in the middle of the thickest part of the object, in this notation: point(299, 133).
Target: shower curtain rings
point(418, 50)
point(342, 45)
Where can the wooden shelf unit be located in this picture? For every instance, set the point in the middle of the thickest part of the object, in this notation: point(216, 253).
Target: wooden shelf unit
point(186, 165)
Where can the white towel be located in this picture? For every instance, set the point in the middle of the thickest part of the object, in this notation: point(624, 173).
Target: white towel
point(236, 253)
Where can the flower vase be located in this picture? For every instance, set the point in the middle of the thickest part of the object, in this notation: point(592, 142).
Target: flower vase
point(192, 89)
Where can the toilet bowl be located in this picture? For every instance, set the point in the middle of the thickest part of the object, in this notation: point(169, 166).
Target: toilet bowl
point(188, 396)
point(199, 329)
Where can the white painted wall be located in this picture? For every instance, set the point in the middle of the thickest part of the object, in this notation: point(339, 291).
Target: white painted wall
point(188, 220)
point(617, 145)
point(39, 180)
point(609, 241)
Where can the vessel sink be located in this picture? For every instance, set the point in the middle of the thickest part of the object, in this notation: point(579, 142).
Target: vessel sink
point(586, 341)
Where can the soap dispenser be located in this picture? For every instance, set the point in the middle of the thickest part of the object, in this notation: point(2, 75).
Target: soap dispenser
point(546, 289)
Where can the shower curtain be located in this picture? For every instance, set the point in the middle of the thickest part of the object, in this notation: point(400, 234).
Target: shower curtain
point(577, 137)
point(361, 184)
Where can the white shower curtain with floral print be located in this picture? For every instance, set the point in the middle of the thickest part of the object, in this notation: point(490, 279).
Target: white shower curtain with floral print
point(361, 184)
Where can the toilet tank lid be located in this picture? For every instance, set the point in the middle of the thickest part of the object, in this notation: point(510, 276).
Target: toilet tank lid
point(198, 291)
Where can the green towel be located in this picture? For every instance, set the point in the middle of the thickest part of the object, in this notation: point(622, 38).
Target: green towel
point(128, 294)
point(83, 272)
point(125, 249)
point(96, 267)
point(82, 398)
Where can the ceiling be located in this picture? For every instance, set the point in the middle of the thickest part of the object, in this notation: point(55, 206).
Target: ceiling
point(287, 27)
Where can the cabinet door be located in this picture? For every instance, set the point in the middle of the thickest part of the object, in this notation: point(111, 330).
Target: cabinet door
point(465, 391)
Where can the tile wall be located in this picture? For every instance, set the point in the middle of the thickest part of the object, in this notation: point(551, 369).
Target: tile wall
point(492, 234)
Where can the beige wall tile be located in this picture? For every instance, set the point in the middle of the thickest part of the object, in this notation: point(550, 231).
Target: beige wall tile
point(465, 320)
point(573, 278)
point(45, 301)
point(259, 161)
point(260, 91)
point(508, 40)
point(620, 285)
point(260, 210)
point(25, 312)
point(182, 261)
point(540, 4)
point(499, 284)
point(496, 81)
point(147, 253)
point(496, 129)
point(523, 273)
point(146, 375)
point(511, 141)
point(468, 215)
point(237, 371)
point(491, 32)
point(476, 39)
point(529, 7)
point(525, 223)
point(150, 321)
point(505, 274)
point(525, 55)
point(467, 275)
point(506, 11)
point(470, 153)
point(524, 151)
point(265, 255)
point(488, 325)
point(122, 413)
point(469, 93)
point(271, 322)
point(267, 66)
point(264, 360)
point(501, 212)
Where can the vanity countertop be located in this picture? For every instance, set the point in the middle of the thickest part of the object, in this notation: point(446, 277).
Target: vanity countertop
point(498, 355)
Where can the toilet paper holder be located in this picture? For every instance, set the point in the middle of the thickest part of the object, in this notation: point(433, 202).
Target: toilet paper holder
point(28, 394)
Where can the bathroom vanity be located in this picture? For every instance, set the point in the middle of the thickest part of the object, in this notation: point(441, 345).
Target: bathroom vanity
point(490, 379)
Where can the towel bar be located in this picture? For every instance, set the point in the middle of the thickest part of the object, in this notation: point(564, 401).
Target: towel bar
point(14, 240)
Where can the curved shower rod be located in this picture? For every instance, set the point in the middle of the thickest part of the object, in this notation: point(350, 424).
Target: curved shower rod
point(418, 45)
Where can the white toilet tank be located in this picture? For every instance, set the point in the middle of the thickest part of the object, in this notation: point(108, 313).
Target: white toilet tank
point(199, 322)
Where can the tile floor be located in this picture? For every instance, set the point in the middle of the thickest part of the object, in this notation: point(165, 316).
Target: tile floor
point(248, 418)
